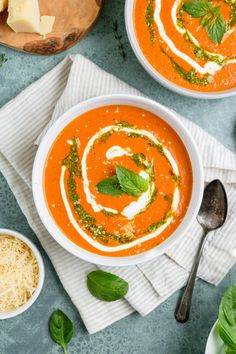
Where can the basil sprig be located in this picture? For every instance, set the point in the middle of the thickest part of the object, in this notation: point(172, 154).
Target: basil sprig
point(227, 319)
point(61, 329)
point(125, 181)
point(212, 20)
point(110, 186)
point(106, 286)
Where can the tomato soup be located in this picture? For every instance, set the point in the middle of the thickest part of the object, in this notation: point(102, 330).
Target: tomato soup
point(191, 43)
point(118, 180)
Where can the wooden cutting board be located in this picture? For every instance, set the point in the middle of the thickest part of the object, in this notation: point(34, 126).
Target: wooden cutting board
point(74, 18)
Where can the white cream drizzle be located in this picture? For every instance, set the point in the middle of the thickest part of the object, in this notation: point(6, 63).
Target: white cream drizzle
point(116, 151)
point(95, 243)
point(211, 67)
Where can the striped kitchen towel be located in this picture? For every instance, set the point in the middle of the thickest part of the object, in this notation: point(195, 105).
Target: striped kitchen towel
point(24, 119)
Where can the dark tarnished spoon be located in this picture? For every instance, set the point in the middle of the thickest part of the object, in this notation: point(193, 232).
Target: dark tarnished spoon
point(211, 216)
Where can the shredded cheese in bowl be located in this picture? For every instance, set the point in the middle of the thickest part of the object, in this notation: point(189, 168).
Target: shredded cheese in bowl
point(19, 273)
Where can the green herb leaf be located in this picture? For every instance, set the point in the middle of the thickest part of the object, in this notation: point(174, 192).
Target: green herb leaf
point(216, 29)
point(110, 186)
point(131, 182)
point(197, 8)
point(227, 319)
point(61, 329)
point(212, 20)
point(106, 286)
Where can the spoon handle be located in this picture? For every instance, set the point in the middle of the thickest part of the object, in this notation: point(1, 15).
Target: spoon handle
point(183, 308)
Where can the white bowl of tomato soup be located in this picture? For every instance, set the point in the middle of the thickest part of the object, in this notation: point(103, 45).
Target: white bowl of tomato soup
point(117, 180)
point(173, 46)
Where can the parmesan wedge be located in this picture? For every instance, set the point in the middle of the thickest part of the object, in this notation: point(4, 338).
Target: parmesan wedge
point(24, 15)
point(3, 5)
point(46, 24)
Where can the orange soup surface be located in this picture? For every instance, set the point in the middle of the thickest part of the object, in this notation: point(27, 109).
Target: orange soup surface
point(118, 180)
point(190, 44)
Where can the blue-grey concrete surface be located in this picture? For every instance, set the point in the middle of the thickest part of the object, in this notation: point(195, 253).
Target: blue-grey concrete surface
point(157, 333)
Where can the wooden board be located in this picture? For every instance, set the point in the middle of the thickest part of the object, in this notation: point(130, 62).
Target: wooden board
point(74, 18)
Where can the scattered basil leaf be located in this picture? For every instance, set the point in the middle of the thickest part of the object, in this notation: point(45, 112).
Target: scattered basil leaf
point(110, 186)
point(131, 182)
point(106, 286)
point(61, 329)
point(227, 319)
point(212, 20)
point(197, 8)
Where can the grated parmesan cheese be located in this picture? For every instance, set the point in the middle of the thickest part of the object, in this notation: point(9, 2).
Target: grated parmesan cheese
point(19, 273)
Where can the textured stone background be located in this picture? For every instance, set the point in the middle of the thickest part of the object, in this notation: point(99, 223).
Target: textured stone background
point(158, 333)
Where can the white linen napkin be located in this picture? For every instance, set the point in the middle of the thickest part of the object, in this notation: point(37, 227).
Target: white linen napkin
point(24, 119)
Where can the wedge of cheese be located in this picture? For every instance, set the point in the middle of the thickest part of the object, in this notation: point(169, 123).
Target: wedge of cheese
point(3, 5)
point(46, 24)
point(24, 15)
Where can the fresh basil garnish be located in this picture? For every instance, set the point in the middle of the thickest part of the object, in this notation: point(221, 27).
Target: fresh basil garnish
point(212, 20)
point(106, 286)
point(61, 329)
point(227, 319)
point(110, 186)
point(197, 8)
point(125, 181)
point(131, 182)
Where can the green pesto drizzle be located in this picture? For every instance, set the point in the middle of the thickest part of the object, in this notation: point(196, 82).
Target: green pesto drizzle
point(108, 213)
point(134, 135)
point(139, 159)
point(74, 167)
point(190, 75)
point(124, 124)
point(105, 136)
point(203, 54)
point(153, 227)
point(72, 160)
point(149, 18)
point(177, 178)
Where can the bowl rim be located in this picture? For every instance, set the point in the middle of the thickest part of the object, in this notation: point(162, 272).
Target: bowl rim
point(129, 23)
point(34, 249)
point(131, 100)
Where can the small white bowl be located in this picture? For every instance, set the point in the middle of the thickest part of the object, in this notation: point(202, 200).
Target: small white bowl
point(214, 345)
point(37, 178)
point(29, 303)
point(129, 6)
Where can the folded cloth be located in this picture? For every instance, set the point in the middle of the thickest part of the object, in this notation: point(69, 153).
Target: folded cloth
point(24, 119)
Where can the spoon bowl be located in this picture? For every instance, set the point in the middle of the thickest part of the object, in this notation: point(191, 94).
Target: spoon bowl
point(213, 210)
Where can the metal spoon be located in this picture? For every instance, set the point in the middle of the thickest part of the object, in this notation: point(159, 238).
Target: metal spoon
point(211, 216)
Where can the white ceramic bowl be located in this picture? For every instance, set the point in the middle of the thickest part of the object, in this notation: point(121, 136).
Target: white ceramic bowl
point(39, 259)
point(129, 5)
point(37, 178)
point(214, 343)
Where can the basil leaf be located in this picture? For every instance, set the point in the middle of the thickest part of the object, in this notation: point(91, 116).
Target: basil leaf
point(131, 182)
point(212, 20)
point(230, 351)
point(106, 286)
point(61, 329)
point(197, 8)
point(216, 29)
point(110, 186)
point(227, 318)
